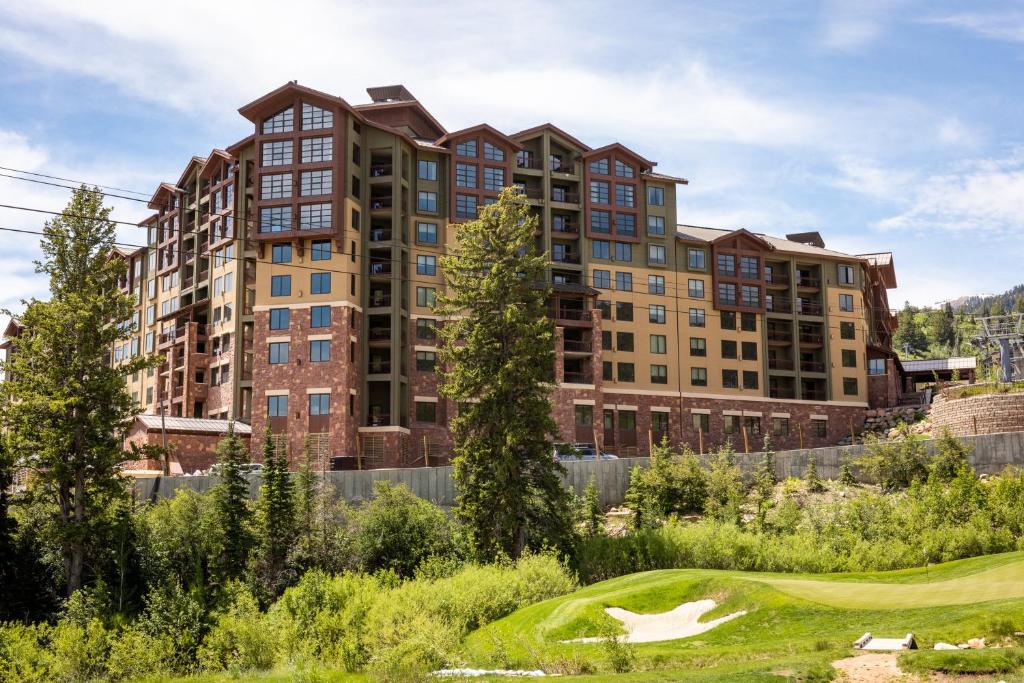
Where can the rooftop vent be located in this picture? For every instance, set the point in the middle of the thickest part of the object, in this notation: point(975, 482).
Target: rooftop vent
point(390, 93)
point(811, 238)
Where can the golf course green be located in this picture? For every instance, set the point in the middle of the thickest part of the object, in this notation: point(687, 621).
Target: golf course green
point(794, 626)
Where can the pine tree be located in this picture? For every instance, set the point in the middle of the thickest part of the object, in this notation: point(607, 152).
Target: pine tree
point(305, 493)
point(497, 358)
point(232, 507)
point(814, 482)
point(277, 513)
point(8, 547)
point(593, 515)
point(766, 470)
point(846, 477)
point(65, 403)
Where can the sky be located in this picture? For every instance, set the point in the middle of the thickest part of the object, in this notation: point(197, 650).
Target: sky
point(886, 125)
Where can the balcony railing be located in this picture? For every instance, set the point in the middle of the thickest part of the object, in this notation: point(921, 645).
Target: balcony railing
point(808, 308)
point(379, 299)
point(773, 279)
point(810, 338)
point(380, 267)
point(565, 196)
point(812, 366)
point(178, 392)
point(380, 203)
point(378, 420)
point(564, 313)
point(778, 305)
point(379, 366)
point(380, 235)
point(565, 227)
point(529, 162)
point(781, 392)
point(576, 345)
point(571, 377)
point(532, 192)
point(380, 334)
point(813, 395)
point(565, 257)
point(380, 170)
point(778, 336)
point(562, 166)
point(780, 364)
point(807, 281)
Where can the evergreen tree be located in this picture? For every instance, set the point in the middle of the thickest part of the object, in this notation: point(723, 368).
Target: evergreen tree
point(724, 487)
point(232, 507)
point(305, 493)
point(65, 406)
point(814, 482)
point(944, 326)
point(497, 358)
point(593, 515)
point(766, 470)
point(8, 546)
point(909, 339)
point(277, 514)
point(846, 477)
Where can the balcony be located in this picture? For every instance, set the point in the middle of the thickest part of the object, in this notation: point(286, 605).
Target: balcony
point(808, 308)
point(529, 161)
point(565, 227)
point(577, 377)
point(562, 166)
point(811, 366)
point(781, 392)
point(379, 299)
point(811, 338)
point(779, 337)
point(382, 203)
point(808, 282)
point(380, 268)
point(565, 257)
point(778, 305)
point(576, 345)
point(780, 364)
point(531, 192)
point(568, 313)
point(776, 281)
point(565, 196)
point(378, 334)
point(379, 366)
point(378, 418)
point(813, 394)
point(380, 235)
point(380, 170)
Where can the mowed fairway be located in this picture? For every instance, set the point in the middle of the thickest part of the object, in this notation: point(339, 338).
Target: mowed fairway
point(795, 625)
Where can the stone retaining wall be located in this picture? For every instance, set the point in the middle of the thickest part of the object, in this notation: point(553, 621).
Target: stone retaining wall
point(984, 414)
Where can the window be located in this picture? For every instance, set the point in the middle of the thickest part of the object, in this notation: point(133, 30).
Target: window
point(601, 221)
point(846, 302)
point(626, 372)
point(656, 196)
point(279, 318)
point(659, 343)
point(850, 386)
point(602, 279)
point(319, 404)
point(465, 206)
point(281, 253)
point(656, 314)
point(317, 150)
point(275, 219)
point(277, 153)
point(281, 122)
point(624, 341)
point(655, 284)
point(465, 175)
point(357, 154)
point(584, 416)
point(727, 293)
point(727, 320)
point(601, 249)
point(819, 428)
point(278, 353)
point(425, 297)
point(749, 379)
point(695, 259)
point(320, 250)
point(494, 179)
point(426, 202)
point(313, 183)
point(315, 118)
point(849, 358)
point(315, 217)
point(699, 377)
point(600, 192)
point(623, 251)
point(728, 349)
point(845, 274)
point(320, 316)
point(847, 331)
point(695, 289)
point(426, 264)
point(277, 406)
point(606, 341)
point(427, 170)
point(696, 317)
point(426, 329)
point(780, 426)
point(493, 153)
point(319, 351)
point(876, 366)
point(624, 311)
point(749, 268)
point(280, 285)
point(320, 283)
point(426, 233)
point(466, 148)
point(749, 350)
point(656, 255)
point(624, 281)
point(426, 361)
point(751, 296)
point(748, 322)
point(752, 425)
point(599, 167)
point(606, 370)
point(656, 226)
point(659, 374)
point(624, 170)
point(625, 195)
point(276, 186)
point(726, 264)
point(625, 224)
point(698, 346)
point(426, 411)
point(702, 423)
point(605, 307)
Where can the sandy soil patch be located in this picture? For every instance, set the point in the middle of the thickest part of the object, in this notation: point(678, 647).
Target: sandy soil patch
point(872, 668)
point(681, 622)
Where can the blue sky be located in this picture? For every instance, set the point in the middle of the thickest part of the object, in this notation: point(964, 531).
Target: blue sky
point(887, 126)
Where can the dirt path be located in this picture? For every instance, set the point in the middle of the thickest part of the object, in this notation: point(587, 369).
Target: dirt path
point(873, 668)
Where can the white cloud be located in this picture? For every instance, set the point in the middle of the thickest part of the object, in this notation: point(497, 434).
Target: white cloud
point(851, 25)
point(868, 178)
point(1006, 25)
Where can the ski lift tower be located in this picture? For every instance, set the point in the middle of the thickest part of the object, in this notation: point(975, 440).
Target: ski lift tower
point(1006, 331)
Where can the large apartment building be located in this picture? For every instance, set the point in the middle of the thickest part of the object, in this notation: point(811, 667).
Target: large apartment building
point(289, 278)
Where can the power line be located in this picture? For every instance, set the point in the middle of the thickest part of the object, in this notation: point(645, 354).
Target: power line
point(67, 180)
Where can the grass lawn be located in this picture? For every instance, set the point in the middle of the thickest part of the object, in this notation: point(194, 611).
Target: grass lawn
point(795, 626)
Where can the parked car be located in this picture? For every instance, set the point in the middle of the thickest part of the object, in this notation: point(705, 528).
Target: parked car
point(565, 452)
point(244, 468)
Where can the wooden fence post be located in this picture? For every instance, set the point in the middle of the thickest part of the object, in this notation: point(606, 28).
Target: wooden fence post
point(426, 452)
point(800, 431)
point(700, 438)
point(359, 452)
point(746, 443)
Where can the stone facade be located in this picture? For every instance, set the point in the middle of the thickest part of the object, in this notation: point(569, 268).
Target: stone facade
point(985, 414)
point(884, 390)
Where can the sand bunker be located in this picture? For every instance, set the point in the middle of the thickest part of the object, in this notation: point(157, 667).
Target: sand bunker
point(681, 622)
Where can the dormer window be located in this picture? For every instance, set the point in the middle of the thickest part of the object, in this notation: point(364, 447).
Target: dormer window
point(492, 153)
point(281, 122)
point(624, 170)
point(599, 167)
point(466, 148)
point(315, 118)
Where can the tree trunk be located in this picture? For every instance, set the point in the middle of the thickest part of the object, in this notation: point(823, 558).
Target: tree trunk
point(77, 547)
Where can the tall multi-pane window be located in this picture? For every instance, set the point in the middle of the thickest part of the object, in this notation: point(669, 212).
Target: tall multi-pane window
point(601, 221)
point(656, 226)
point(624, 170)
point(599, 167)
point(426, 233)
point(319, 351)
point(426, 170)
point(623, 251)
point(320, 316)
point(315, 150)
point(656, 196)
point(314, 183)
point(320, 283)
point(659, 343)
point(426, 329)
point(846, 302)
point(277, 406)
point(624, 281)
point(656, 255)
point(277, 153)
point(319, 404)
point(493, 153)
point(315, 216)
point(726, 264)
point(320, 250)
point(494, 179)
point(601, 249)
point(655, 284)
point(426, 297)
point(281, 122)
point(751, 296)
point(625, 224)
point(465, 206)
point(749, 268)
point(845, 274)
point(426, 264)
point(276, 186)
point(697, 317)
point(315, 118)
point(625, 195)
point(600, 192)
point(426, 201)
point(602, 279)
point(276, 219)
point(466, 148)
point(465, 175)
point(279, 318)
point(727, 293)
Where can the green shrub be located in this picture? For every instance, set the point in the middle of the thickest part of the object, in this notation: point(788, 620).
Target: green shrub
point(674, 484)
point(135, 654)
point(895, 464)
point(405, 643)
point(24, 655)
point(950, 456)
point(724, 487)
point(172, 612)
point(240, 638)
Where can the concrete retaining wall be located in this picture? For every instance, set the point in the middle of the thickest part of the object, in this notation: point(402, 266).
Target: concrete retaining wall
point(990, 454)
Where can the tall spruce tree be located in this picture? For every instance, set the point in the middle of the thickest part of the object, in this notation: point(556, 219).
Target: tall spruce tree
point(277, 513)
point(66, 407)
point(497, 357)
point(232, 507)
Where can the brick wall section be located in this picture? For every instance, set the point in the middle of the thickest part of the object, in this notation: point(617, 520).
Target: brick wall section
point(991, 414)
point(884, 390)
point(191, 451)
point(340, 374)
